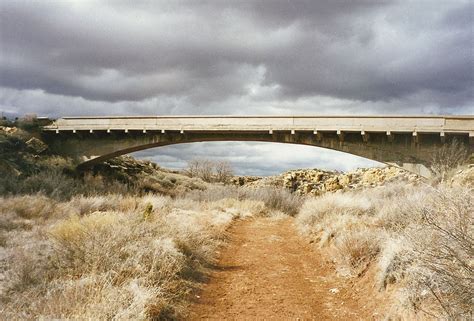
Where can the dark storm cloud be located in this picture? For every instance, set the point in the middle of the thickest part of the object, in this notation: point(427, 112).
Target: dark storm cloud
point(209, 51)
point(60, 58)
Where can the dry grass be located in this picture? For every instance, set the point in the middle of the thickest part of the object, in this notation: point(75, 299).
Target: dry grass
point(332, 215)
point(420, 239)
point(29, 206)
point(354, 251)
point(274, 198)
point(443, 247)
point(110, 257)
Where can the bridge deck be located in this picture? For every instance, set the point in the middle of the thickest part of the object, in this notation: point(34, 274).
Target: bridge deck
point(389, 124)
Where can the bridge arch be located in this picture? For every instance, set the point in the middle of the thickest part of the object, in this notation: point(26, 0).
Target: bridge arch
point(407, 142)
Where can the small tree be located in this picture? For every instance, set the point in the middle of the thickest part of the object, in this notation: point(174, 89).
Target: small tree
point(192, 169)
point(209, 171)
point(448, 157)
point(223, 171)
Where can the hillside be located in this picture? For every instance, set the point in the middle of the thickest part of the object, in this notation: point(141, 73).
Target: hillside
point(27, 166)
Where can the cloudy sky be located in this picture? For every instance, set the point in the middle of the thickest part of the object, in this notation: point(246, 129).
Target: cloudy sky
point(61, 58)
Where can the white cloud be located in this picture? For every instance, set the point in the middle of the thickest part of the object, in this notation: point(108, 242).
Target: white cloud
point(256, 158)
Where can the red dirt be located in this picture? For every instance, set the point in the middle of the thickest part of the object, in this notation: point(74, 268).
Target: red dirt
point(269, 272)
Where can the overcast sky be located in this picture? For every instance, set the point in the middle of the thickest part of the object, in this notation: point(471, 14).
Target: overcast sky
point(63, 58)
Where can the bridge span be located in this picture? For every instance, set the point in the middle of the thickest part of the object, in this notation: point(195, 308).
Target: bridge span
point(406, 141)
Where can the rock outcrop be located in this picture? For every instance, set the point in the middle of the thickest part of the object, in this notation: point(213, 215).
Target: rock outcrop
point(316, 182)
point(36, 145)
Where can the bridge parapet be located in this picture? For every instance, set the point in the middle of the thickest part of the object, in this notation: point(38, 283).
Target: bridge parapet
point(390, 139)
point(392, 124)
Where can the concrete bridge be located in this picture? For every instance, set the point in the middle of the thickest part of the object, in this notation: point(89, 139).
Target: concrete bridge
point(405, 141)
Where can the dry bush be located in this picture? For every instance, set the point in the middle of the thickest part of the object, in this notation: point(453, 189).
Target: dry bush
point(93, 184)
point(82, 205)
point(332, 213)
point(273, 198)
point(223, 171)
point(443, 246)
point(347, 224)
point(447, 158)
point(421, 237)
point(170, 184)
point(52, 183)
point(215, 193)
point(55, 161)
point(202, 168)
point(403, 208)
point(115, 257)
point(277, 199)
point(210, 171)
point(29, 206)
point(355, 250)
point(240, 208)
point(394, 260)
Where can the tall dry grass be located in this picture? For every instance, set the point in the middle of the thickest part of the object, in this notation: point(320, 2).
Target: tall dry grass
point(276, 199)
point(109, 257)
point(419, 238)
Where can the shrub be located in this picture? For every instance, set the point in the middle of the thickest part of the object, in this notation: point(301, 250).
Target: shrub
point(29, 206)
point(277, 199)
point(443, 245)
point(51, 183)
point(210, 171)
point(420, 236)
point(202, 168)
point(448, 157)
point(223, 171)
point(394, 259)
point(330, 212)
point(273, 198)
point(355, 250)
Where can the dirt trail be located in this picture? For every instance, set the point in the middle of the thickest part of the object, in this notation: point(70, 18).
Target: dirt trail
point(269, 272)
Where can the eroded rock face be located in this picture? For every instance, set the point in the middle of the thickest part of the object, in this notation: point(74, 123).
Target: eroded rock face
point(8, 130)
point(36, 145)
point(316, 182)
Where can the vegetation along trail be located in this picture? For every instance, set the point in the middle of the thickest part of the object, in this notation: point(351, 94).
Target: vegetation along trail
point(269, 272)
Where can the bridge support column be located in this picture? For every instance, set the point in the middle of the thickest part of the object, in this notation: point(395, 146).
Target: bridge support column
point(340, 134)
point(365, 136)
point(415, 138)
point(319, 135)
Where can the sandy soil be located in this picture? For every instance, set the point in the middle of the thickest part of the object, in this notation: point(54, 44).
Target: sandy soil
point(269, 272)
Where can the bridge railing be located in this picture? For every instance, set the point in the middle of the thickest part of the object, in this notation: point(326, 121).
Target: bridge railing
point(428, 124)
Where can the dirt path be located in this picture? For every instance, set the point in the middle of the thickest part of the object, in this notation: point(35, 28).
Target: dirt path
point(269, 272)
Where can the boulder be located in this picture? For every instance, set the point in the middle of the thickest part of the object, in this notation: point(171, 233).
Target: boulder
point(332, 185)
point(36, 145)
point(8, 130)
